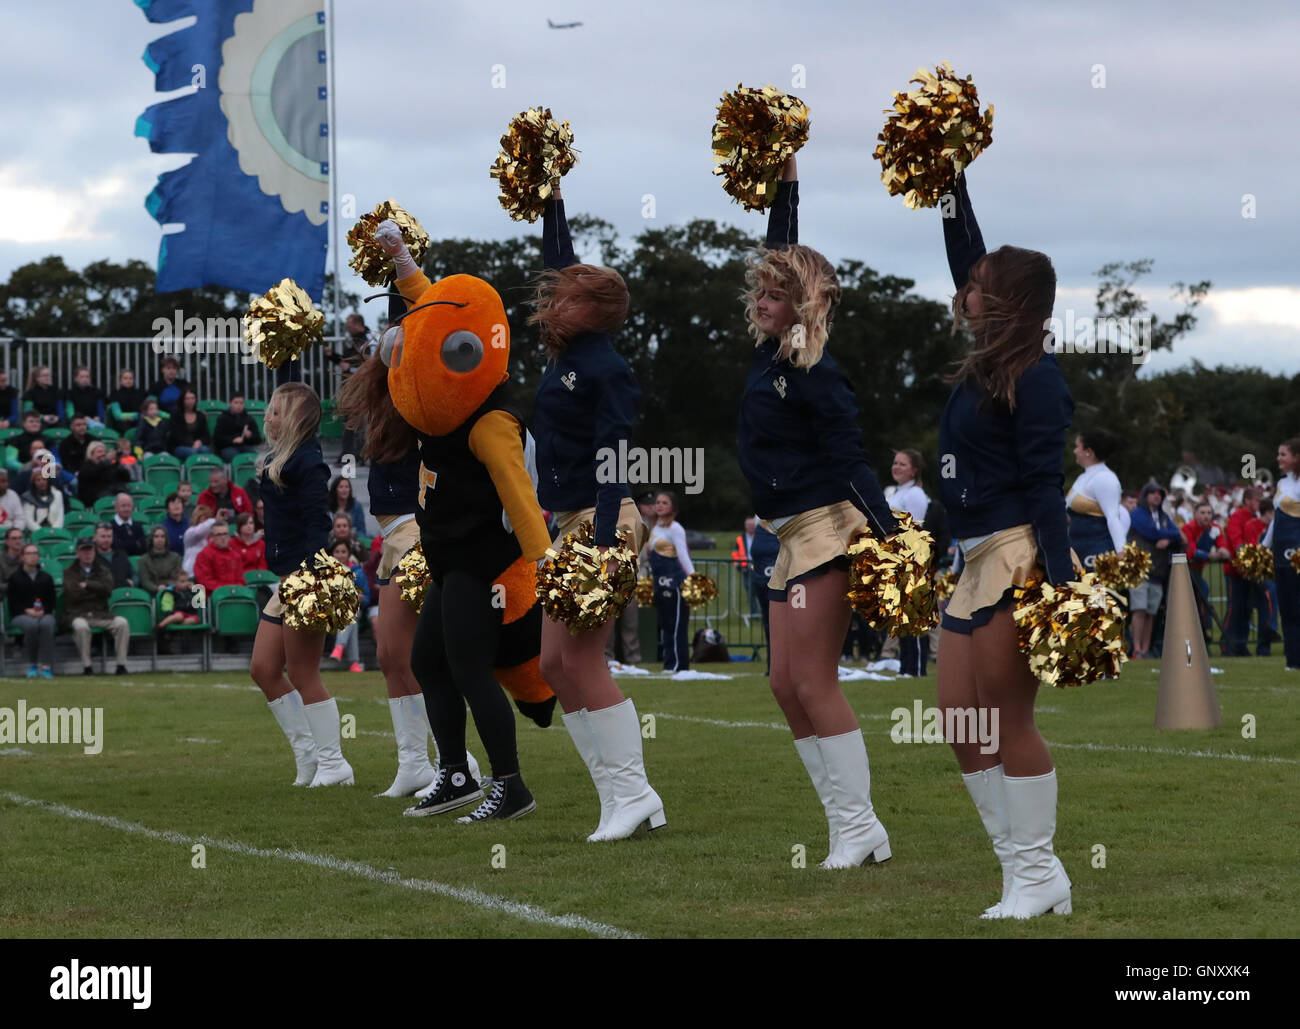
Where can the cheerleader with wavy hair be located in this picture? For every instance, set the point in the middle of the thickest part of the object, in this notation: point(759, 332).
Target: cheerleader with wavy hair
point(812, 484)
point(1004, 427)
point(587, 403)
point(286, 662)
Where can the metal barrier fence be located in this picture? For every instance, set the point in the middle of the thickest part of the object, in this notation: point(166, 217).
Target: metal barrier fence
point(216, 367)
point(730, 611)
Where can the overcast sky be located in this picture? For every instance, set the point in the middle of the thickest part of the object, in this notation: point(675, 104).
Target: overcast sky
point(1198, 109)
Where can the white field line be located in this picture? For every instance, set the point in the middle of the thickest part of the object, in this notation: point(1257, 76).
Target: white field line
point(717, 721)
point(475, 898)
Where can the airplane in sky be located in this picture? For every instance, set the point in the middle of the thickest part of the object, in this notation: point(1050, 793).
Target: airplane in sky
point(565, 25)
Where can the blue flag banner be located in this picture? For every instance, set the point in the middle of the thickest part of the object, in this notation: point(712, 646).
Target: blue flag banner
point(255, 201)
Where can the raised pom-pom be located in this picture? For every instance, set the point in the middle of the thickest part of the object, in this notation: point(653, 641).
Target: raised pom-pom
point(369, 260)
point(756, 132)
point(931, 134)
point(536, 151)
point(282, 323)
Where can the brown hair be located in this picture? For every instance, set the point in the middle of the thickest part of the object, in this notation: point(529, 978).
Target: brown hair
point(1018, 287)
point(918, 464)
point(364, 399)
point(1293, 445)
point(576, 299)
point(814, 291)
point(201, 514)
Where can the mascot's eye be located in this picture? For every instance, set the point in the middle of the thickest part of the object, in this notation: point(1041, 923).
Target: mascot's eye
point(462, 351)
point(390, 345)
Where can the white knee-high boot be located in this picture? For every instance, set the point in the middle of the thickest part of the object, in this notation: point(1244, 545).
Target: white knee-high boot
point(331, 768)
point(863, 839)
point(811, 755)
point(411, 727)
point(1038, 880)
point(617, 734)
point(987, 790)
point(288, 711)
point(585, 743)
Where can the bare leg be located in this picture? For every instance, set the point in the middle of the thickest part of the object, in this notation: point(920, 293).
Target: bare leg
point(817, 623)
point(1006, 685)
point(267, 665)
point(302, 654)
point(394, 635)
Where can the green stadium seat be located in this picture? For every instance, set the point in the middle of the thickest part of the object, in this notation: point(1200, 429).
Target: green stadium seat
point(243, 470)
point(198, 470)
point(234, 611)
point(104, 508)
point(52, 435)
point(141, 489)
point(162, 472)
point(136, 606)
point(202, 627)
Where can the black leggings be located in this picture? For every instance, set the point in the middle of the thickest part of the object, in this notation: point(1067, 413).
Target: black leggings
point(453, 655)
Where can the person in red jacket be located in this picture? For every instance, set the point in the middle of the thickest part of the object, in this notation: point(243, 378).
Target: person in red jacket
point(219, 564)
point(1205, 543)
point(1243, 527)
point(222, 494)
point(249, 543)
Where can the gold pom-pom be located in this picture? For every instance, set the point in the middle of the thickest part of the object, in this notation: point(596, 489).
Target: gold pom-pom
point(368, 258)
point(645, 591)
point(1295, 559)
point(1126, 569)
point(931, 134)
point(1072, 634)
point(282, 323)
point(698, 589)
point(574, 587)
point(1253, 562)
point(412, 576)
point(756, 133)
point(890, 584)
point(945, 584)
point(320, 596)
point(536, 152)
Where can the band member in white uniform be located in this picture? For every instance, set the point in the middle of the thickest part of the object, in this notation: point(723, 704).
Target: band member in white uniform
point(1097, 525)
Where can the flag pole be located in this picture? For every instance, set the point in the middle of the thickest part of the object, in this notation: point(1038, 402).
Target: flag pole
point(334, 182)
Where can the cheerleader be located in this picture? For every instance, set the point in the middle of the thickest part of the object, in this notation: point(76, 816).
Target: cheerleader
point(909, 496)
point(393, 453)
point(1097, 525)
point(586, 404)
point(294, 488)
point(1004, 426)
point(1283, 535)
point(670, 563)
point(801, 452)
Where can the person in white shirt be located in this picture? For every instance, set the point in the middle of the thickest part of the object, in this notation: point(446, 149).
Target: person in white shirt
point(670, 563)
point(11, 505)
point(1096, 525)
point(910, 496)
point(1283, 537)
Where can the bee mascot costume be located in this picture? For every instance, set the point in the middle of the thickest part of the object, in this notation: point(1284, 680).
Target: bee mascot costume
point(480, 526)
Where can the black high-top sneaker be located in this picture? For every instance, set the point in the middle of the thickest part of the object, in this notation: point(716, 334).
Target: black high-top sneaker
point(508, 798)
point(454, 787)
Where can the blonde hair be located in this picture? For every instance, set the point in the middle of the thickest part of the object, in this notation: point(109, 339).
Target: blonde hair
point(201, 514)
point(814, 291)
point(299, 420)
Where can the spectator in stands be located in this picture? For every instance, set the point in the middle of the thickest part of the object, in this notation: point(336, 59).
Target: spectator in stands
point(31, 608)
point(345, 644)
point(188, 433)
point(177, 607)
point(11, 556)
point(31, 431)
point(42, 459)
point(259, 515)
point(174, 523)
point(159, 566)
point(44, 396)
point(342, 533)
point(185, 490)
point(101, 475)
point(86, 398)
point(11, 505)
point(72, 448)
point(87, 585)
point(236, 431)
point(224, 495)
point(152, 431)
point(1204, 544)
point(354, 352)
point(124, 402)
point(42, 504)
point(1241, 596)
point(118, 562)
point(344, 501)
point(219, 564)
point(250, 543)
point(196, 536)
point(170, 387)
point(128, 534)
point(8, 401)
point(1153, 531)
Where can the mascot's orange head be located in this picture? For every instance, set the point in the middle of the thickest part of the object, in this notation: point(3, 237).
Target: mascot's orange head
point(447, 353)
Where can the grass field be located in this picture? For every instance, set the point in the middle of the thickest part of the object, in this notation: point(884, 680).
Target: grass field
point(1199, 829)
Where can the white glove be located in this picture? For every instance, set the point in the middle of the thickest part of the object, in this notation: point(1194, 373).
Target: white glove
point(389, 238)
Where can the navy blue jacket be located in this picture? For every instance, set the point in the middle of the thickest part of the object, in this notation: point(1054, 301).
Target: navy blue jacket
point(799, 442)
point(1000, 468)
point(587, 402)
point(394, 488)
point(297, 514)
